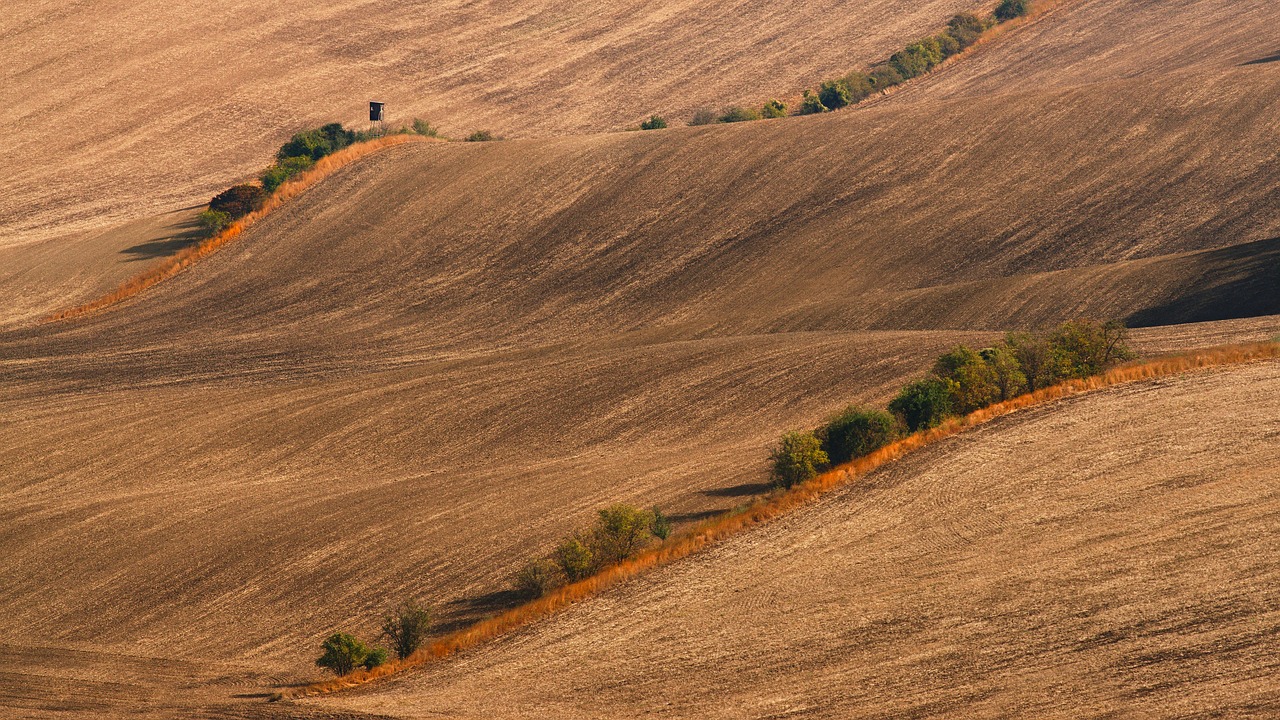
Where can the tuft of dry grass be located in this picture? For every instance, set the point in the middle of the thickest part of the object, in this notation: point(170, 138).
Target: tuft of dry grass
point(175, 264)
point(773, 506)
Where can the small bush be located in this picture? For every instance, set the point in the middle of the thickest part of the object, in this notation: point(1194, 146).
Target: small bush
point(480, 136)
point(238, 201)
point(702, 116)
point(923, 404)
point(856, 432)
point(734, 114)
point(213, 221)
point(276, 175)
point(406, 627)
point(885, 76)
point(1010, 9)
point(917, 58)
point(797, 458)
point(833, 94)
point(774, 109)
point(619, 533)
point(538, 578)
point(344, 653)
point(811, 104)
point(575, 558)
point(973, 381)
point(424, 128)
point(655, 122)
point(1042, 364)
point(317, 143)
point(661, 525)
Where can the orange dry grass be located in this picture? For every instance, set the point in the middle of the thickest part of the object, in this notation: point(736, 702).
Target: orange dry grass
point(171, 266)
point(773, 506)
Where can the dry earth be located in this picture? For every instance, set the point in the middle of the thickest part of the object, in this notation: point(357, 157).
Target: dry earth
point(437, 361)
point(118, 109)
point(1108, 556)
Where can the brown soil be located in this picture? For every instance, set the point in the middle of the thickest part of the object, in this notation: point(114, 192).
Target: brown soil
point(1110, 555)
point(433, 364)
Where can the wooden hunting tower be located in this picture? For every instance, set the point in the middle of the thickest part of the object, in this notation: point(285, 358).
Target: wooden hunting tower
point(375, 111)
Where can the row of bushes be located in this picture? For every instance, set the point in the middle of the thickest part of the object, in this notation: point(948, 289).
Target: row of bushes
point(405, 628)
point(619, 533)
point(297, 155)
point(962, 380)
point(912, 61)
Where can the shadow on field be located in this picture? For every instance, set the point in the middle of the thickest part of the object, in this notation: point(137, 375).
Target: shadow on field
point(743, 490)
point(466, 611)
point(1237, 282)
point(1263, 60)
point(184, 235)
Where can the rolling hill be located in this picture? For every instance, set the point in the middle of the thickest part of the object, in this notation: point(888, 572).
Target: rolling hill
point(428, 367)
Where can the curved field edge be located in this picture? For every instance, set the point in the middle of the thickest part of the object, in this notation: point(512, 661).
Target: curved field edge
point(772, 507)
point(175, 264)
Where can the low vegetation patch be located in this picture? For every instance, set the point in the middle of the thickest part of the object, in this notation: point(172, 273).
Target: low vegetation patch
point(619, 533)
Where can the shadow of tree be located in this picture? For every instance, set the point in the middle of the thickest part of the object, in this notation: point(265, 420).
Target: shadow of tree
point(181, 236)
point(1263, 60)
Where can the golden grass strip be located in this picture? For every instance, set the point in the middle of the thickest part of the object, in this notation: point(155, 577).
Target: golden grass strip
point(178, 262)
point(778, 504)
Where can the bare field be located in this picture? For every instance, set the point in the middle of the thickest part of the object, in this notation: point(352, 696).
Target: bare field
point(436, 362)
point(1108, 556)
point(137, 107)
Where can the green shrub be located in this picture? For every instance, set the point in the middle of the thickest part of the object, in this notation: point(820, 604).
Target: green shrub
point(655, 122)
point(1010, 9)
point(344, 653)
point(317, 143)
point(923, 404)
point(948, 44)
point(422, 127)
point(238, 201)
point(966, 28)
point(213, 221)
point(856, 432)
point(702, 116)
point(733, 114)
point(885, 76)
point(480, 136)
point(538, 578)
point(973, 381)
point(797, 458)
point(276, 175)
point(811, 104)
point(620, 532)
point(1088, 347)
point(833, 94)
point(575, 558)
point(774, 109)
point(661, 526)
point(917, 58)
point(406, 627)
point(1006, 371)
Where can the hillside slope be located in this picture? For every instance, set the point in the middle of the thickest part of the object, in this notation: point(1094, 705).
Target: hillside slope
point(133, 108)
point(1110, 555)
point(438, 361)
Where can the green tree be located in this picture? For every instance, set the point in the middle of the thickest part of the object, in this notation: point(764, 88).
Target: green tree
point(885, 76)
point(238, 200)
point(661, 526)
point(1088, 347)
point(973, 380)
point(576, 558)
point(620, 531)
point(1042, 364)
point(924, 403)
point(856, 432)
point(797, 458)
point(1007, 371)
point(344, 653)
point(774, 109)
point(834, 94)
point(276, 175)
point(406, 627)
point(655, 122)
point(811, 104)
point(1010, 9)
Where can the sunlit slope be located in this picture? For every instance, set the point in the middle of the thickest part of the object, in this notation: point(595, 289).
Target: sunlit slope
point(120, 109)
point(1107, 555)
